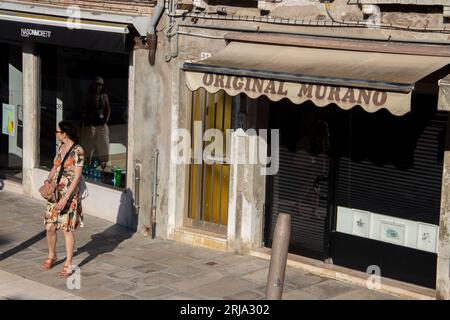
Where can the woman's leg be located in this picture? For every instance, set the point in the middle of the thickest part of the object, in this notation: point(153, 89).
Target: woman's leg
point(51, 239)
point(70, 243)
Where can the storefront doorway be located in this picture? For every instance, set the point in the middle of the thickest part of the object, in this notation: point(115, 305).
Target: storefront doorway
point(301, 187)
point(209, 180)
point(363, 189)
point(11, 115)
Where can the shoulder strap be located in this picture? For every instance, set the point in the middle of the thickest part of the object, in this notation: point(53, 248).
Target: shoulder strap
point(62, 164)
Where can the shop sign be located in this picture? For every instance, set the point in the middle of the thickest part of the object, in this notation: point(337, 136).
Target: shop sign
point(25, 33)
point(320, 94)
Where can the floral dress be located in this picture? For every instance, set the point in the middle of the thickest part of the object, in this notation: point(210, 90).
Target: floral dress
point(70, 218)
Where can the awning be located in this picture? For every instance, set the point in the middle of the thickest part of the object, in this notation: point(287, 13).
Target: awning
point(347, 78)
point(95, 35)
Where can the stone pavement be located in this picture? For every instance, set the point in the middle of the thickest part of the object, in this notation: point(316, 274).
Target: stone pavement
point(116, 263)
point(13, 287)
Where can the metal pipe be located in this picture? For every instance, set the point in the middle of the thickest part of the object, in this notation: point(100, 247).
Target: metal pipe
point(260, 30)
point(278, 257)
point(155, 18)
point(137, 186)
point(154, 194)
point(309, 23)
point(151, 34)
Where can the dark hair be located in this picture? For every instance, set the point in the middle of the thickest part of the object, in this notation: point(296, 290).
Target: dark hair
point(69, 129)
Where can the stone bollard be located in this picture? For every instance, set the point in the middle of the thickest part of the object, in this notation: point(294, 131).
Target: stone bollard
point(278, 258)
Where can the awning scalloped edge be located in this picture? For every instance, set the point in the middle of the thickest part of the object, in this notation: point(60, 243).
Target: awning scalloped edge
point(321, 95)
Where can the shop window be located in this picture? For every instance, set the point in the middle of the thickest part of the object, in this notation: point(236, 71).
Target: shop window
point(11, 111)
point(90, 89)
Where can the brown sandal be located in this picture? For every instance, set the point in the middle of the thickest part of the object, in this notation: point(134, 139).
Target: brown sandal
point(66, 271)
point(48, 264)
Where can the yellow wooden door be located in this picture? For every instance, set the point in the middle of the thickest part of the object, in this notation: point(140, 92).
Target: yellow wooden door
point(208, 199)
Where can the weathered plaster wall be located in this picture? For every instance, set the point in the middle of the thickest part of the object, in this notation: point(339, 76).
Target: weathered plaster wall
point(151, 131)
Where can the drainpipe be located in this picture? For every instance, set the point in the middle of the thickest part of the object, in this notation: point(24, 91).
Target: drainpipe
point(151, 34)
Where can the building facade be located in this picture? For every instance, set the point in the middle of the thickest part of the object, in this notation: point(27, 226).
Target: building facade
point(361, 136)
point(342, 104)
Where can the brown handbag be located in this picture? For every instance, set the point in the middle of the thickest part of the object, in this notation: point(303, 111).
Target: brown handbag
point(50, 193)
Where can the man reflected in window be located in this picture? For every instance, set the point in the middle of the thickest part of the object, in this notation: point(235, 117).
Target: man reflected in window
point(96, 114)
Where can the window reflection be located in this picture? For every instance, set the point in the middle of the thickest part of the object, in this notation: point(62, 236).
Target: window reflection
point(90, 88)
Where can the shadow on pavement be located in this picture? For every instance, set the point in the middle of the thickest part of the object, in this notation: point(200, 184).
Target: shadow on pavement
point(23, 245)
point(103, 242)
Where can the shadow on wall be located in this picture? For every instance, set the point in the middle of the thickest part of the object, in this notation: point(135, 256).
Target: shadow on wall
point(126, 215)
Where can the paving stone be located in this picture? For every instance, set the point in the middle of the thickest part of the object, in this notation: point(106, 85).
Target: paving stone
point(303, 280)
point(245, 295)
point(187, 284)
point(99, 266)
point(297, 295)
point(363, 294)
point(201, 254)
point(154, 293)
point(122, 286)
point(95, 281)
point(149, 267)
point(160, 278)
point(124, 297)
point(328, 289)
point(120, 261)
point(246, 267)
point(185, 271)
point(262, 289)
point(126, 274)
point(184, 296)
point(176, 261)
point(158, 255)
point(259, 277)
point(74, 298)
point(228, 258)
point(97, 294)
point(223, 287)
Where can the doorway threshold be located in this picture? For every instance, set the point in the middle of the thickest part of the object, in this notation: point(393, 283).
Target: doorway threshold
point(389, 286)
point(201, 238)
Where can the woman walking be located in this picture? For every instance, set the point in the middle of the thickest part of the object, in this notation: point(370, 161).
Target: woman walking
point(65, 213)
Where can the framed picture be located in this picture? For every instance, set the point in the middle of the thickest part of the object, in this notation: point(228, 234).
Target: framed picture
point(393, 232)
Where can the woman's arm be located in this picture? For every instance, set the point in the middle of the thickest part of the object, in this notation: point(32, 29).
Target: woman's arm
point(74, 184)
point(50, 176)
